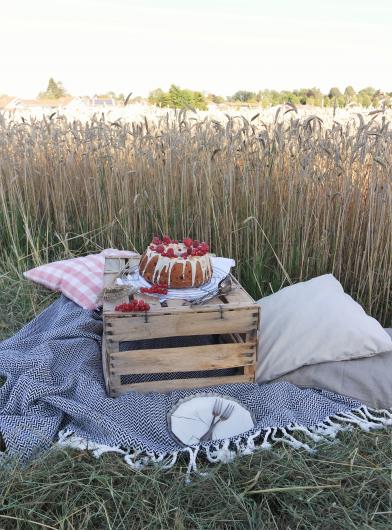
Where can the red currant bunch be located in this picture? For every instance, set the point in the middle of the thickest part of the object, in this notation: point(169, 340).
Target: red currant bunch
point(133, 306)
point(155, 289)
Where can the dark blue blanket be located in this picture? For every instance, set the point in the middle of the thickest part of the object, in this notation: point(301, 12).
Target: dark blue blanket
point(54, 382)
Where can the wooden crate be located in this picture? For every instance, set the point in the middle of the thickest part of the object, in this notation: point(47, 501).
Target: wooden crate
point(231, 320)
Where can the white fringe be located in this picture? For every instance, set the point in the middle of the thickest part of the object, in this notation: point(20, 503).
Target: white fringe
point(310, 434)
point(224, 451)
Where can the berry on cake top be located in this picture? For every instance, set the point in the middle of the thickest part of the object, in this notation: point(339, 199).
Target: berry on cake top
point(172, 248)
point(178, 264)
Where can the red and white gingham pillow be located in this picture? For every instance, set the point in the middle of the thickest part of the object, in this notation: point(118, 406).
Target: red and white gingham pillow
point(80, 279)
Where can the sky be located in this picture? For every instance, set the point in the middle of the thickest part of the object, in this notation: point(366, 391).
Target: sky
point(217, 46)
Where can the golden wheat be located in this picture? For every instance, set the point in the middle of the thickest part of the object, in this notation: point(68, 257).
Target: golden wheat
point(288, 200)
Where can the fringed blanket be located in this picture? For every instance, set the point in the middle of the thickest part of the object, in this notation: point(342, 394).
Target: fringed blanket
point(54, 391)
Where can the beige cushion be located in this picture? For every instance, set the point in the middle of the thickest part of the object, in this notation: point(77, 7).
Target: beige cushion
point(369, 379)
point(313, 322)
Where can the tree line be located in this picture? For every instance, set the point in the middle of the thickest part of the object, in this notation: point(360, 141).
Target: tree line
point(366, 97)
point(177, 97)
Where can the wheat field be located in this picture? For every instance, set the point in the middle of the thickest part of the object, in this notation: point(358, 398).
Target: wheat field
point(289, 198)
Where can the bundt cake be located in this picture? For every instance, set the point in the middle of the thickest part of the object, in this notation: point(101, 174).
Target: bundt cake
point(176, 264)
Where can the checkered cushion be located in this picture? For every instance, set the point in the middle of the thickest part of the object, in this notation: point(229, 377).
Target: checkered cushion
point(80, 279)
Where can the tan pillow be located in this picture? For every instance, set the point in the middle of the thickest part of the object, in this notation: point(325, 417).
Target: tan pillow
point(369, 379)
point(313, 322)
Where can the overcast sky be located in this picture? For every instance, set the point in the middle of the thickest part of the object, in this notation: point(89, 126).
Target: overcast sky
point(218, 46)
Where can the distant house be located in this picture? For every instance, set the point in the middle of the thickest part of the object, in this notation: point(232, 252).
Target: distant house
point(5, 101)
point(24, 104)
point(102, 102)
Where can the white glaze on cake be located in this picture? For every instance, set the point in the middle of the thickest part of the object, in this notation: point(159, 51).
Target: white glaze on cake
point(165, 263)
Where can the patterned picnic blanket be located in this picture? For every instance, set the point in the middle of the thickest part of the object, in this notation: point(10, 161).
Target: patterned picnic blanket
point(54, 382)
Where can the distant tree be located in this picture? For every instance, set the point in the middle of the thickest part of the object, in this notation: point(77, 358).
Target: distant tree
point(377, 97)
point(157, 97)
point(364, 99)
point(369, 96)
point(289, 97)
point(369, 90)
point(349, 92)
point(199, 101)
point(178, 98)
point(387, 101)
point(55, 90)
point(243, 95)
point(334, 93)
point(315, 97)
point(300, 96)
point(262, 98)
point(349, 95)
point(111, 95)
point(215, 99)
point(310, 93)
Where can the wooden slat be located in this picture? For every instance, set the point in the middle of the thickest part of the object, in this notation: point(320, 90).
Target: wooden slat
point(111, 346)
point(153, 301)
point(238, 295)
point(166, 386)
point(105, 365)
point(113, 380)
point(230, 337)
point(185, 359)
point(127, 327)
point(252, 336)
point(174, 302)
point(188, 309)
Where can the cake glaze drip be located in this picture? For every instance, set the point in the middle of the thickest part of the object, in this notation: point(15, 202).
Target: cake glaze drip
point(166, 264)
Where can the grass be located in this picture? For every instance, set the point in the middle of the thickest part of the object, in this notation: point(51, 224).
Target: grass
point(345, 485)
point(289, 200)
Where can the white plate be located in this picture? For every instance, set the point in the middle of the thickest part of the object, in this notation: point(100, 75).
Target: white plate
point(220, 269)
point(191, 417)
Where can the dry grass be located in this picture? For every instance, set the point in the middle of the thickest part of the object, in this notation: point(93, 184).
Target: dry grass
point(289, 200)
point(343, 486)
